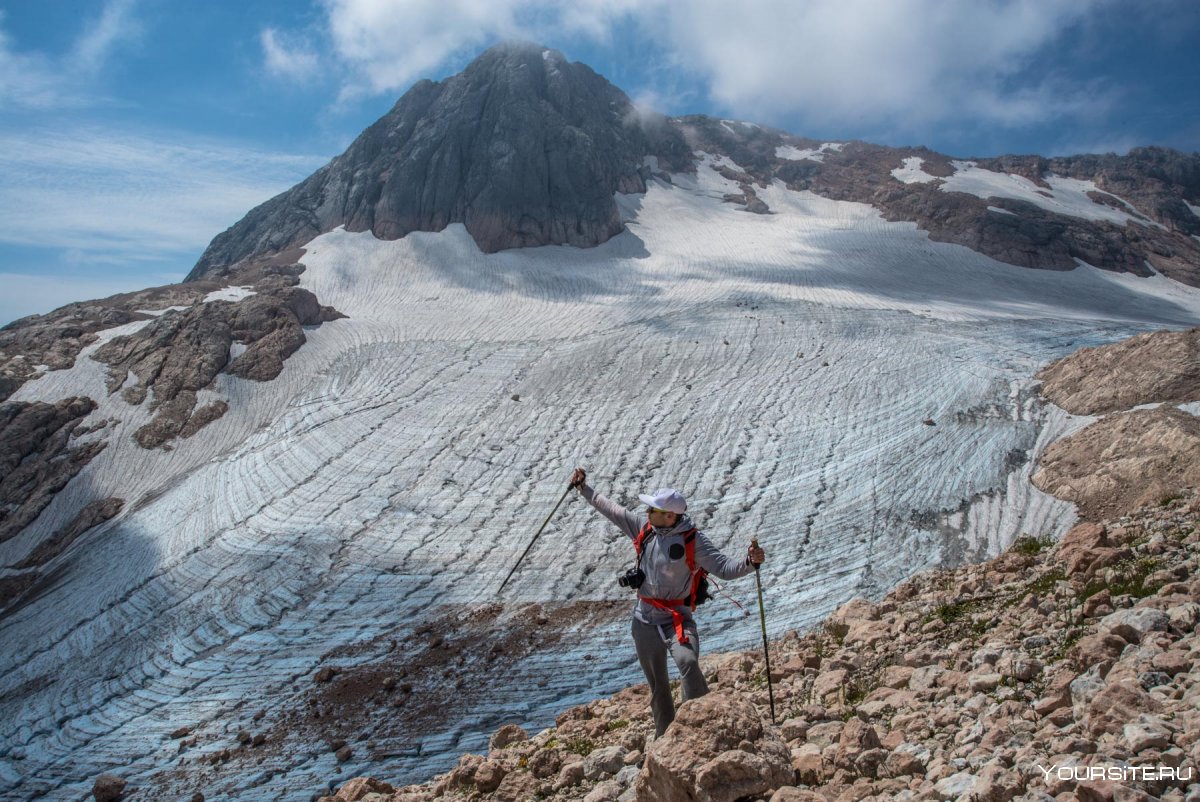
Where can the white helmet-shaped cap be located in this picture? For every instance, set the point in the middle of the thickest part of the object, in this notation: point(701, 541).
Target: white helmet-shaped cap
point(666, 499)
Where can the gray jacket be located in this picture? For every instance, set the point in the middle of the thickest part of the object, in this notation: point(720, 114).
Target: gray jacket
point(663, 558)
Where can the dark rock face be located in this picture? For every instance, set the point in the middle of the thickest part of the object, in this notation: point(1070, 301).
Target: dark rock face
point(182, 352)
point(523, 147)
point(36, 460)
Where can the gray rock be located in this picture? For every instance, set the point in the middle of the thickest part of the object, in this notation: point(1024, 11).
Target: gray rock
point(604, 762)
point(1132, 625)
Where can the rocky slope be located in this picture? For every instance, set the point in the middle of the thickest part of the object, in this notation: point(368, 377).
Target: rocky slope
point(1055, 671)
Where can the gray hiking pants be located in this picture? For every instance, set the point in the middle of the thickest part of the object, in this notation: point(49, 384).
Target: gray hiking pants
point(652, 644)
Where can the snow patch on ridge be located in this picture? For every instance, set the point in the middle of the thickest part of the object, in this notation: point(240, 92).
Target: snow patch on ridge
point(1067, 196)
point(1195, 209)
point(910, 172)
point(793, 153)
point(229, 294)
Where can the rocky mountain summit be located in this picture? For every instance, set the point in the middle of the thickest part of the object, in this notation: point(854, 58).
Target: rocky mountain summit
point(523, 147)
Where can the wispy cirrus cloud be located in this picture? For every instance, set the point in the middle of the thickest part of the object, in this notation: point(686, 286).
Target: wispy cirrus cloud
point(288, 56)
point(114, 197)
point(38, 81)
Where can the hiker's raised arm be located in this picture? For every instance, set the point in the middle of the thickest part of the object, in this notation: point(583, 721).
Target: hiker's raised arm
point(629, 523)
point(713, 560)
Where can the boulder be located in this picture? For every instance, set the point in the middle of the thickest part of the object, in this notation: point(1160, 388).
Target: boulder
point(108, 788)
point(1132, 625)
point(506, 735)
point(359, 787)
point(602, 763)
point(1115, 705)
point(716, 750)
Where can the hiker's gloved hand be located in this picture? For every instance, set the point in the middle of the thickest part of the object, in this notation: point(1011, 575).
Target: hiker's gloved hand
point(756, 555)
point(578, 478)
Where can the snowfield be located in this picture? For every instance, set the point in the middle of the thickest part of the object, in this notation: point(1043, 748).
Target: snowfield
point(853, 395)
point(1067, 196)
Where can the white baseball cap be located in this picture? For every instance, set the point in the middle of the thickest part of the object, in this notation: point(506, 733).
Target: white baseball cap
point(666, 499)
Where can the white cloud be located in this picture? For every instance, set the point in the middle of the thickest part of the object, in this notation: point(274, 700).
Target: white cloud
point(115, 25)
point(114, 197)
point(38, 81)
point(386, 45)
point(850, 61)
point(881, 63)
point(286, 57)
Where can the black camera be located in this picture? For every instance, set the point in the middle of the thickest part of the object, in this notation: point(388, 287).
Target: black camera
point(633, 578)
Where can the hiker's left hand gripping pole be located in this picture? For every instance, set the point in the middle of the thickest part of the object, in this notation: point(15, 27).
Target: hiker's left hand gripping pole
point(570, 487)
point(762, 617)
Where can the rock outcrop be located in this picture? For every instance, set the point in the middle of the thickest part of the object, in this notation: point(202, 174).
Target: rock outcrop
point(180, 353)
point(1130, 457)
point(1158, 367)
point(37, 458)
point(1124, 461)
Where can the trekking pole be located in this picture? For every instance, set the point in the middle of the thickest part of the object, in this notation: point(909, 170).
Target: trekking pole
point(762, 617)
point(535, 537)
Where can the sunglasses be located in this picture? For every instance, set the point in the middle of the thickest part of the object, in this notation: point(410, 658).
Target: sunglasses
point(656, 509)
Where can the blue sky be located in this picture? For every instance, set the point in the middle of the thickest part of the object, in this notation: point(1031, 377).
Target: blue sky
point(133, 131)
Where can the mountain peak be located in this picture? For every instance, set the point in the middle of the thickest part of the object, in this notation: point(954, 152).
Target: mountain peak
point(523, 147)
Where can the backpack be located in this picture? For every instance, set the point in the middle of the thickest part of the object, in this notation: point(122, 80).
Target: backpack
point(699, 592)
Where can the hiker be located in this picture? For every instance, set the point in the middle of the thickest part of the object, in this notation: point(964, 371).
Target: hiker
point(666, 541)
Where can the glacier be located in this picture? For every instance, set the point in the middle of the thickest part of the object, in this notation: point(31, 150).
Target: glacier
point(857, 397)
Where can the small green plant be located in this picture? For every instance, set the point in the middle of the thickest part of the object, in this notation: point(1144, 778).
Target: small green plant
point(1032, 546)
point(616, 724)
point(579, 746)
point(1130, 581)
point(1166, 499)
point(838, 632)
point(1046, 582)
point(953, 612)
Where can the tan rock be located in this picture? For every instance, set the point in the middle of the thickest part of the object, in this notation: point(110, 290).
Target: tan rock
point(1115, 705)
point(716, 750)
point(808, 764)
point(359, 787)
point(489, 775)
point(829, 683)
point(790, 793)
point(507, 735)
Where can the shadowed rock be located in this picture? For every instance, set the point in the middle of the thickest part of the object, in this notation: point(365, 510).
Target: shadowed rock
point(36, 460)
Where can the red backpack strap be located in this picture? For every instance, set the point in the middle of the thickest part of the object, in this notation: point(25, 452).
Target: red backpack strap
point(689, 550)
point(641, 538)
